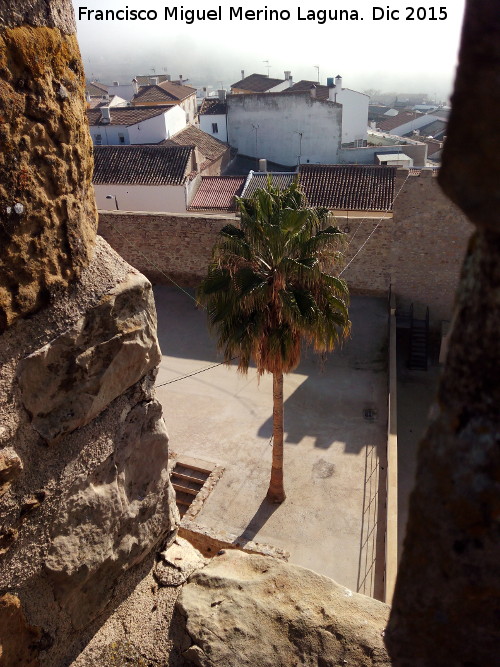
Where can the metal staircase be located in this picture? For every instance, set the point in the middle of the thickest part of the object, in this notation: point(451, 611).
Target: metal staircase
point(419, 342)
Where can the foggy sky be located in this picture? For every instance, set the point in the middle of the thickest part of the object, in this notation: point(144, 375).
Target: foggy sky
point(402, 56)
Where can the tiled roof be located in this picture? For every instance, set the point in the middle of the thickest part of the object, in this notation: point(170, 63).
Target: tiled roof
point(304, 85)
point(125, 115)
point(257, 83)
point(145, 80)
point(348, 187)
point(141, 165)
point(391, 122)
point(164, 92)
point(218, 192)
point(97, 103)
point(212, 106)
point(208, 146)
point(258, 180)
point(96, 89)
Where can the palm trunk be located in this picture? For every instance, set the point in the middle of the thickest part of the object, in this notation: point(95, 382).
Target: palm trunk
point(276, 491)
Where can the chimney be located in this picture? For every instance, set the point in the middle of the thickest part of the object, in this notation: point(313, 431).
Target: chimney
point(135, 85)
point(106, 115)
point(287, 75)
point(263, 165)
point(88, 98)
point(168, 77)
point(242, 73)
point(115, 83)
point(222, 95)
point(312, 90)
point(180, 78)
point(338, 83)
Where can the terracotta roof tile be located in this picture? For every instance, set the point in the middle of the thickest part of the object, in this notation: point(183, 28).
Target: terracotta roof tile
point(279, 180)
point(304, 85)
point(96, 89)
point(141, 165)
point(348, 187)
point(125, 115)
point(391, 122)
point(212, 106)
point(218, 193)
point(164, 92)
point(257, 83)
point(209, 146)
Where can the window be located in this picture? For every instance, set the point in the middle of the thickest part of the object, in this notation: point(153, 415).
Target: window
point(121, 138)
point(215, 129)
point(98, 139)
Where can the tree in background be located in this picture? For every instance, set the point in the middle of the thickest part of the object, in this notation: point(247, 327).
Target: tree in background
point(269, 286)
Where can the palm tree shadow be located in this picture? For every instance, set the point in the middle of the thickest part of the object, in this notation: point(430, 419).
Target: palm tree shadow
point(262, 515)
point(307, 413)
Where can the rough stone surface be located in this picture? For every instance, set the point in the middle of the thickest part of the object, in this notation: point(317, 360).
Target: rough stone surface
point(54, 14)
point(10, 466)
point(254, 610)
point(47, 209)
point(82, 512)
point(19, 642)
point(110, 519)
point(69, 381)
point(177, 563)
point(446, 604)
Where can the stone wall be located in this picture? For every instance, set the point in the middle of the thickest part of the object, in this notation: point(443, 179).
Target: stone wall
point(430, 236)
point(158, 243)
point(84, 487)
point(418, 250)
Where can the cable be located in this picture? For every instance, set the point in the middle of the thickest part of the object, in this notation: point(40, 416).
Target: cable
point(373, 230)
point(383, 218)
point(201, 370)
point(156, 266)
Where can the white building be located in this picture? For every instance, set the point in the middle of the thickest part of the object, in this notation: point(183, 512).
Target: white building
point(287, 128)
point(354, 107)
point(145, 178)
point(134, 125)
point(213, 116)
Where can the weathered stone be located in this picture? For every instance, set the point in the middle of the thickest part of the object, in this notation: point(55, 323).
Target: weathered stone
point(446, 608)
point(19, 641)
point(69, 381)
point(10, 467)
point(178, 562)
point(110, 519)
point(246, 610)
point(48, 216)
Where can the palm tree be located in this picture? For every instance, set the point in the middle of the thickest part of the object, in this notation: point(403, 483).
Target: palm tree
point(267, 289)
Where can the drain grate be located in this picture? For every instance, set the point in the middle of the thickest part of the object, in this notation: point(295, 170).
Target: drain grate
point(370, 414)
point(187, 480)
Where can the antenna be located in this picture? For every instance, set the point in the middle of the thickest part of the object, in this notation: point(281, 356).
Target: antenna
point(153, 70)
point(267, 65)
point(317, 67)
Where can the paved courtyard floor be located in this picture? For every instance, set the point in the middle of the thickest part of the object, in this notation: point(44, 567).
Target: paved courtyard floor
point(332, 520)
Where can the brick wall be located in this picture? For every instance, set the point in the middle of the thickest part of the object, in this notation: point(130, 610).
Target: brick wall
point(430, 236)
point(418, 250)
point(179, 245)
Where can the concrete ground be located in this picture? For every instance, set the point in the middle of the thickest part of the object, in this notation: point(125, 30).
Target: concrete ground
point(333, 518)
point(416, 395)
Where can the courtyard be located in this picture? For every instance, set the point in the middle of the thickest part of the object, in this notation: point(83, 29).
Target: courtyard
point(333, 519)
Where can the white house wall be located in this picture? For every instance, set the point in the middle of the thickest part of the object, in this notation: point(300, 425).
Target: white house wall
point(354, 115)
point(152, 198)
point(127, 91)
point(206, 121)
point(277, 120)
point(110, 134)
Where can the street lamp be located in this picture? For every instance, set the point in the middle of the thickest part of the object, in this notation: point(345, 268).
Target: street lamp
point(116, 200)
